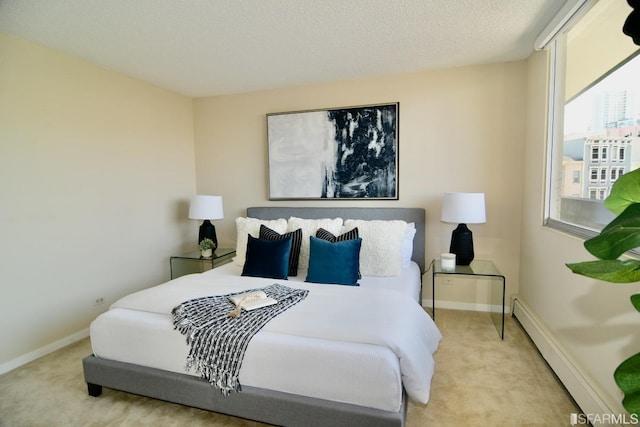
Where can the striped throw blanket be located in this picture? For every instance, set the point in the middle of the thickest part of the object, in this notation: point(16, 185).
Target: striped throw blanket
point(217, 341)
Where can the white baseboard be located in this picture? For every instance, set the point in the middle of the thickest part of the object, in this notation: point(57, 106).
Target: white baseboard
point(583, 390)
point(468, 306)
point(42, 351)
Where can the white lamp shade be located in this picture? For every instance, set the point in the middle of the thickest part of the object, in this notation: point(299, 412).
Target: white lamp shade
point(464, 208)
point(205, 207)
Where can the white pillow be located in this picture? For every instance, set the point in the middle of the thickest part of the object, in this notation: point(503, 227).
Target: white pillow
point(407, 245)
point(382, 242)
point(309, 228)
point(251, 226)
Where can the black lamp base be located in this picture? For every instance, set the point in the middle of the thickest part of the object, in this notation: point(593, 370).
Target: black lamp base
point(462, 245)
point(208, 231)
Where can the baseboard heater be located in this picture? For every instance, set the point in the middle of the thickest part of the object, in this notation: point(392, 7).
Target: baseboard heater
point(583, 390)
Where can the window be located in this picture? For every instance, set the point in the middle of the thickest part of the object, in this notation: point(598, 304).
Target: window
point(594, 93)
point(603, 193)
point(576, 177)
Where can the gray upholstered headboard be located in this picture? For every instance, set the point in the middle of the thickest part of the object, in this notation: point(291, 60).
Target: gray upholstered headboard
point(416, 215)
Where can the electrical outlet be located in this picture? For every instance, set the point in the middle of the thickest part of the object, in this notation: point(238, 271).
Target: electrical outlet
point(98, 301)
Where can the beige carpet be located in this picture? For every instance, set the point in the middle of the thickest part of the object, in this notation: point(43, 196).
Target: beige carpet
point(479, 381)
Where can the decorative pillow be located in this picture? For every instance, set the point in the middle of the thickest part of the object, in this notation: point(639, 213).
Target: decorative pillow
point(349, 235)
point(382, 242)
point(251, 226)
point(328, 236)
point(309, 228)
point(407, 245)
point(336, 263)
point(296, 240)
point(267, 258)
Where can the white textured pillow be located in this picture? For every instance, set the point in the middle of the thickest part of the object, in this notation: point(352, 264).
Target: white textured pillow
point(407, 245)
point(251, 226)
point(309, 228)
point(382, 242)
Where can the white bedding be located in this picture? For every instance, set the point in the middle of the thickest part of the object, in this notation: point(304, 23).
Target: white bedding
point(326, 363)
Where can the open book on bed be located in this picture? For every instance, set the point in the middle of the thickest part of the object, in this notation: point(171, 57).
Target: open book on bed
point(252, 300)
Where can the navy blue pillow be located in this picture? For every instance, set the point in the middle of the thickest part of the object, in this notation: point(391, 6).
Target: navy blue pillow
point(296, 241)
point(267, 258)
point(336, 263)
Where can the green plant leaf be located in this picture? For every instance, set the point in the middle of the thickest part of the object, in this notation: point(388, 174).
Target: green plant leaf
point(627, 376)
point(625, 191)
point(614, 271)
point(620, 235)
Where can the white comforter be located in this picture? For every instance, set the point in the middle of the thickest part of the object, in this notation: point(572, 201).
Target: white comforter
point(340, 313)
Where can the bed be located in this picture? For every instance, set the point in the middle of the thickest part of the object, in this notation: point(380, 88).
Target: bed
point(286, 377)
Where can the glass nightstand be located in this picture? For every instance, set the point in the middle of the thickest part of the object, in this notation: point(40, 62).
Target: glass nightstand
point(194, 263)
point(477, 268)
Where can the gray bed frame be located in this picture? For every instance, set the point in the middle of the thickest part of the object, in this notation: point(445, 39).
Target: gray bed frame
point(258, 404)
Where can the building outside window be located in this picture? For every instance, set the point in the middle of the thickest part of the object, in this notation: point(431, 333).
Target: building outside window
point(594, 115)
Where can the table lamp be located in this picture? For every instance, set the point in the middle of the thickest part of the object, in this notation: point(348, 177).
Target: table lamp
point(206, 208)
point(463, 208)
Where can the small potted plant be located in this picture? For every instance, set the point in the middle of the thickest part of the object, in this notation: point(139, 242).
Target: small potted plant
point(206, 248)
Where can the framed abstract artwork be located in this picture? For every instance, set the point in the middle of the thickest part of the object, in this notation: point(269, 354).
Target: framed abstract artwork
point(338, 153)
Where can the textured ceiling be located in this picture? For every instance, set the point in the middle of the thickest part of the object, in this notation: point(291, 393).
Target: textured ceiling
point(211, 47)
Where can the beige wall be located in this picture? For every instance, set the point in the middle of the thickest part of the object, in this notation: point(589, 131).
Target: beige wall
point(593, 322)
point(460, 130)
point(95, 171)
point(101, 165)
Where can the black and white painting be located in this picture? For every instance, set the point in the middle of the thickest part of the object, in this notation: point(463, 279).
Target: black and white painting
point(341, 153)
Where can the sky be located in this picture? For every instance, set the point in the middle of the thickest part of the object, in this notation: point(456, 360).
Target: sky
point(578, 112)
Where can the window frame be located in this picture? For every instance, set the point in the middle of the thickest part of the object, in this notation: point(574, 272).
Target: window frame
point(555, 125)
point(557, 53)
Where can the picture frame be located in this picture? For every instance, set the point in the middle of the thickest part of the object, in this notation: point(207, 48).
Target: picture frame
point(334, 154)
